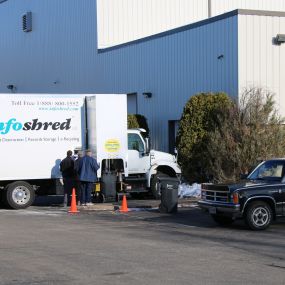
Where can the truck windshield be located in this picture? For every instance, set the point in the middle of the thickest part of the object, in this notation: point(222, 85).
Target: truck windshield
point(269, 170)
point(135, 142)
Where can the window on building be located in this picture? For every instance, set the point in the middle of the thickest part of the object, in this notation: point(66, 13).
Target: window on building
point(132, 103)
point(173, 126)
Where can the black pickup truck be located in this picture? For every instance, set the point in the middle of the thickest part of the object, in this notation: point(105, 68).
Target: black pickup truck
point(258, 199)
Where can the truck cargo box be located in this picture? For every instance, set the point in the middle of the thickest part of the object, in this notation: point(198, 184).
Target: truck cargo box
point(37, 130)
point(35, 133)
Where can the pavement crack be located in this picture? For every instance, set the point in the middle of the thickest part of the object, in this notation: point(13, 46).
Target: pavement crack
point(115, 273)
point(276, 266)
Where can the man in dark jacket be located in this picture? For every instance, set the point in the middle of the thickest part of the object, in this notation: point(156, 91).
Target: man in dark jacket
point(68, 175)
point(87, 170)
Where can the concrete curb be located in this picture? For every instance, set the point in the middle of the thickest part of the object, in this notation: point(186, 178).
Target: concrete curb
point(137, 205)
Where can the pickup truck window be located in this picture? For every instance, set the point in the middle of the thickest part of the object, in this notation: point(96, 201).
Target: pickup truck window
point(135, 142)
point(269, 170)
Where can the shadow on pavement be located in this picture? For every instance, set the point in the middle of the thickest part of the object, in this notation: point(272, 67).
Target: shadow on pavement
point(49, 201)
point(195, 217)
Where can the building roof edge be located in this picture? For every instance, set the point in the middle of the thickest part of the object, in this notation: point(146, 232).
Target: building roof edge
point(260, 13)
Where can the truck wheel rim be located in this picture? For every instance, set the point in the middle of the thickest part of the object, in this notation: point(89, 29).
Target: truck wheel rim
point(260, 216)
point(21, 195)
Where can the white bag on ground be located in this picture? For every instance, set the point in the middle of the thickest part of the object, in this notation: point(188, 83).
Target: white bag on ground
point(186, 190)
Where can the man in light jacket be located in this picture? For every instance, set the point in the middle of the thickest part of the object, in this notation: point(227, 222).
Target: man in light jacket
point(87, 170)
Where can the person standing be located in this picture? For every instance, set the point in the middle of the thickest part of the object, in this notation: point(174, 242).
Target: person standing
point(77, 179)
point(68, 174)
point(87, 170)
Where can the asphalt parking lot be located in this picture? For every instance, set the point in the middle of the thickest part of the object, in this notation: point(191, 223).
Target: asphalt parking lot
point(46, 245)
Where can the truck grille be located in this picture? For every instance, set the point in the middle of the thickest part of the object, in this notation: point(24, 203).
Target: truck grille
point(216, 193)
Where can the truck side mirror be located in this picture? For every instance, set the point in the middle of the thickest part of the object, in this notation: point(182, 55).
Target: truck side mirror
point(147, 148)
point(243, 176)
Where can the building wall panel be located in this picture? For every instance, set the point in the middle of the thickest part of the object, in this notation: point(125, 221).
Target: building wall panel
point(60, 49)
point(121, 21)
point(261, 61)
point(173, 68)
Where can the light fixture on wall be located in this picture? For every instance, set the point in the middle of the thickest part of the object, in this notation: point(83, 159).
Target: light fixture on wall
point(11, 87)
point(280, 39)
point(147, 94)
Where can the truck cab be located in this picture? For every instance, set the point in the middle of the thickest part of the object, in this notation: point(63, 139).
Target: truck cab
point(146, 164)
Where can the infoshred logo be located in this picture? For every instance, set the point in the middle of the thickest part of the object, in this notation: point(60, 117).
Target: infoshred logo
point(33, 125)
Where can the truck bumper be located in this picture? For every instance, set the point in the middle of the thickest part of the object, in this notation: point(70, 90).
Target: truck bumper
point(228, 209)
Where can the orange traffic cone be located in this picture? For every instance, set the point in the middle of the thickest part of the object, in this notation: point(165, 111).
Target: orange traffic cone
point(124, 207)
point(73, 207)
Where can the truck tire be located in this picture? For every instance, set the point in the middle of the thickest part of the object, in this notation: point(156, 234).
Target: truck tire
point(258, 215)
point(154, 183)
point(222, 220)
point(19, 195)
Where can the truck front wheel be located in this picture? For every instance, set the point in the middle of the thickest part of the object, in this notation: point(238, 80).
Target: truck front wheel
point(19, 195)
point(222, 220)
point(258, 215)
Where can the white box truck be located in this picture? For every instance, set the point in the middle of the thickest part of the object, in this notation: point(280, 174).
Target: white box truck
point(36, 130)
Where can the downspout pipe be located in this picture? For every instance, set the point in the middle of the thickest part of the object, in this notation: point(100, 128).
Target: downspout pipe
point(209, 8)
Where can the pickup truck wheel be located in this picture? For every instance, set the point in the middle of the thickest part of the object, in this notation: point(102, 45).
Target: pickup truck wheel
point(19, 195)
point(222, 220)
point(154, 184)
point(258, 215)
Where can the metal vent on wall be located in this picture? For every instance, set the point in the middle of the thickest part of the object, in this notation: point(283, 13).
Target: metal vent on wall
point(27, 22)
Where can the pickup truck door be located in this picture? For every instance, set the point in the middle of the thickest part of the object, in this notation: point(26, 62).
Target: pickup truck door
point(273, 173)
point(282, 200)
point(278, 193)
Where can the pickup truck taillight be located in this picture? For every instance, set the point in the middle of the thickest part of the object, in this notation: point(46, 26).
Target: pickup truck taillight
point(235, 198)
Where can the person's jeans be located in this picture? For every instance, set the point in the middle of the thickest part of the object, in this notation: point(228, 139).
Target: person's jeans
point(68, 184)
point(86, 190)
point(78, 191)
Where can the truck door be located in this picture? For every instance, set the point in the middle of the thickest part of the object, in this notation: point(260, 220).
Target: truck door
point(282, 197)
point(279, 196)
point(283, 200)
point(276, 170)
point(138, 162)
point(272, 173)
